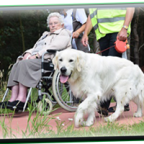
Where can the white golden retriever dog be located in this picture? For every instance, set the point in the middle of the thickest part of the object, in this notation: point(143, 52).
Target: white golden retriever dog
point(95, 78)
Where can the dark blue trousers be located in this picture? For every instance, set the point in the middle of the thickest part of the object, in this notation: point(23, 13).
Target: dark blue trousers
point(106, 42)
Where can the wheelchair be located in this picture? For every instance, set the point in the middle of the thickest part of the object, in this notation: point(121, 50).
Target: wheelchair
point(50, 90)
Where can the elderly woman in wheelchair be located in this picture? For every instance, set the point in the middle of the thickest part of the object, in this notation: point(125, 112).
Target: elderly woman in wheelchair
point(26, 73)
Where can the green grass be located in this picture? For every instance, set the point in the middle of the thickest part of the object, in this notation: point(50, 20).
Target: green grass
point(40, 127)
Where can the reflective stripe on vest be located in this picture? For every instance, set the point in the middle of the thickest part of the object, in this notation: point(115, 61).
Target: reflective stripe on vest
point(106, 21)
point(93, 16)
point(93, 13)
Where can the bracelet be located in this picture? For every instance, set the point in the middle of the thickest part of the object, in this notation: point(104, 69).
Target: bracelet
point(126, 27)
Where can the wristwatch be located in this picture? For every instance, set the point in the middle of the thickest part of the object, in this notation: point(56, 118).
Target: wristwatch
point(126, 27)
point(36, 56)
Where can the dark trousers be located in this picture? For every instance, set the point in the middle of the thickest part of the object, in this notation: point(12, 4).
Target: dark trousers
point(106, 42)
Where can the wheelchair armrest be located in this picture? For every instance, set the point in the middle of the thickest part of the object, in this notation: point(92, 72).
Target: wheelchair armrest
point(19, 58)
point(51, 51)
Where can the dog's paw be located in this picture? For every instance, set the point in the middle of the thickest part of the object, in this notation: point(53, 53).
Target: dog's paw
point(137, 114)
point(90, 121)
point(108, 119)
point(84, 123)
point(88, 124)
point(79, 122)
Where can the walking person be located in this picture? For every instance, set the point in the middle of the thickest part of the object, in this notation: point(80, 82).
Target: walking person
point(109, 25)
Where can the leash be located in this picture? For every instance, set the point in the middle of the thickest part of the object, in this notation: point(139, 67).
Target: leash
point(105, 49)
point(120, 46)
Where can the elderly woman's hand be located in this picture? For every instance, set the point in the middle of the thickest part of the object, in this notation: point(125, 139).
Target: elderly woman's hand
point(36, 56)
point(32, 57)
point(26, 56)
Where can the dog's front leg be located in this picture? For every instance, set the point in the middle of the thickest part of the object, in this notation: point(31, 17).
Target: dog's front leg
point(116, 114)
point(91, 119)
point(88, 106)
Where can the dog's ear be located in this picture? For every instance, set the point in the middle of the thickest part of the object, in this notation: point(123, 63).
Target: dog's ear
point(55, 61)
point(79, 63)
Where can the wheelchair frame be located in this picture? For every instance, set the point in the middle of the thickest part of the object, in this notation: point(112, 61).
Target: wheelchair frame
point(57, 89)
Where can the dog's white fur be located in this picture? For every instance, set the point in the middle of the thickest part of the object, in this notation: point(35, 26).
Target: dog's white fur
point(95, 78)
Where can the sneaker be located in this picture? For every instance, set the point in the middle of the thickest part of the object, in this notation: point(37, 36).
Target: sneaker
point(103, 111)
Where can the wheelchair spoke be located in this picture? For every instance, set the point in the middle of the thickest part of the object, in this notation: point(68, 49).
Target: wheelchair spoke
point(64, 92)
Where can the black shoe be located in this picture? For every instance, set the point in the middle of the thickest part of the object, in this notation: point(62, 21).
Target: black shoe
point(4, 104)
point(16, 105)
point(112, 109)
point(126, 107)
point(77, 100)
point(103, 111)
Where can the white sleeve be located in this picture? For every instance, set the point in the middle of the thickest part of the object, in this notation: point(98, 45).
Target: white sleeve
point(81, 16)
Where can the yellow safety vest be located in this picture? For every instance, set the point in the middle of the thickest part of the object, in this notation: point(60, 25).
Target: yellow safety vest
point(106, 21)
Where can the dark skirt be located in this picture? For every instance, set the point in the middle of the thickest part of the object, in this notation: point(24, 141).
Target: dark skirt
point(26, 72)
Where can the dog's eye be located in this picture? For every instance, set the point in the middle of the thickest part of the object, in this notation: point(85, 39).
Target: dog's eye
point(60, 59)
point(70, 60)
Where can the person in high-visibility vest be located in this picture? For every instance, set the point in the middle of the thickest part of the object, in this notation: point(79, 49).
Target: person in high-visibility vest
point(108, 24)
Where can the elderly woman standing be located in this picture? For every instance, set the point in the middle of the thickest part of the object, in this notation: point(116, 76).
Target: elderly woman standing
point(27, 72)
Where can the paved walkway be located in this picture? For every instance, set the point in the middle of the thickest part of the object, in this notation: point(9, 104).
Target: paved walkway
point(19, 122)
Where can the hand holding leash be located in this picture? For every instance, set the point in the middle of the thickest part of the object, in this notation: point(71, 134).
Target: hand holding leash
point(122, 35)
point(121, 46)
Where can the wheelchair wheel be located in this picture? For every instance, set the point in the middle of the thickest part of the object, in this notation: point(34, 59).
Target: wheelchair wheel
point(63, 94)
point(45, 106)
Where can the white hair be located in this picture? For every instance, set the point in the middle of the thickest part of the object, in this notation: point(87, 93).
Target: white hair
point(55, 14)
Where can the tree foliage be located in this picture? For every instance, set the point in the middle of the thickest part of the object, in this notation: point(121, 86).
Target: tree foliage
point(19, 30)
point(137, 37)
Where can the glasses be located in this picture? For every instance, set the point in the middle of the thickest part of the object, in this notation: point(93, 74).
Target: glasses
point(55, 23)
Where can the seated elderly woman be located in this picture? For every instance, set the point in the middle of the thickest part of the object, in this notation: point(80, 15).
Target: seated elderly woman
point(27, 72)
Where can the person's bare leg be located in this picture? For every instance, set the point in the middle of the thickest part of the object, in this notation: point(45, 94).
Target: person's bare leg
point(14, 93)
point(22, 93)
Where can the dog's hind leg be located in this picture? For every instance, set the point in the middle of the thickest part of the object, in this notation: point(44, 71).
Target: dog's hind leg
point(139, 107)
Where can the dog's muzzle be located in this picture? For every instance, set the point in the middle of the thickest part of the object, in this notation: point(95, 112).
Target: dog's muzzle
point(63, 70)
point(63, 77)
